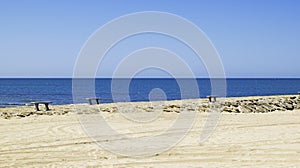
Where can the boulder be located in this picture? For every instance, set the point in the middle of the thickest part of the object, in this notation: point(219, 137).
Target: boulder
point(289, 107)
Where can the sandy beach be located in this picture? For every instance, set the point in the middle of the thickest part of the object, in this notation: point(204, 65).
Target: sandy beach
point(58, 139)
point(149, 84)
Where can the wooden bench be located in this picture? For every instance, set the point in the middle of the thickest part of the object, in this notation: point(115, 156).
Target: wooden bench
point(212, 98)
point(93, 98)
point(46, 103)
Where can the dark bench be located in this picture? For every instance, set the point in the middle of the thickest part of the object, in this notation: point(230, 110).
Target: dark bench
point(93, 98)
point(212, 98)
point(46, 103)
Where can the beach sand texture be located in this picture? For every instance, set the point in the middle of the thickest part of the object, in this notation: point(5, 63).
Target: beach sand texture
point(240, 139)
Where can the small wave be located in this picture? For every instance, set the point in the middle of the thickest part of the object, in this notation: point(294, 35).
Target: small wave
point(29, 100)
point(8, 104)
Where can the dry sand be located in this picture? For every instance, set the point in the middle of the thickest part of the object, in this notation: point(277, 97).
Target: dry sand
point(240, 140)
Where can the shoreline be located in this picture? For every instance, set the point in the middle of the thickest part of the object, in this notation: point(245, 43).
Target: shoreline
point(249, 104)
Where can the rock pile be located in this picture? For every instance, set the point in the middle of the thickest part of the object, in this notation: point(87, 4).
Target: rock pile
point(261, 105)
point(21, 113)
point(234, 105)
point(172, 108)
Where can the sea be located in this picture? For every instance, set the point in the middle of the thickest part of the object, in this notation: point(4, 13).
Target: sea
point(21, 91)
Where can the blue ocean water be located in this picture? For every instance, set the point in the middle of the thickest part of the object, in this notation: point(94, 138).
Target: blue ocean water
point(15, 92)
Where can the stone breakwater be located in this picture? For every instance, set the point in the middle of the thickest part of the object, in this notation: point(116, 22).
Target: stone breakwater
point(262, 104)
point(257, 104)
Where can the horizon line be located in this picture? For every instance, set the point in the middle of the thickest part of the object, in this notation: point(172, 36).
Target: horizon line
point(157, 77)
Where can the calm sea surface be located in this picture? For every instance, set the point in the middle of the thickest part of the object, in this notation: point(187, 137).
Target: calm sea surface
point(22, 91)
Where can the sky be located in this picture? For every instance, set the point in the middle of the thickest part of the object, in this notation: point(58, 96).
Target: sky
point(254, 38)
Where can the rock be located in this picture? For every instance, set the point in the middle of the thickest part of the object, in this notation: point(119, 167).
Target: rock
point(174, 106)
point(148, 110)
point(202, 109)
point(109, 109)
point(245, 109)
point(266, 108)
point(227, 104)
point(277, 104)
point(229, 109)
point(190, 109)
point(236, 110)
point(278, 108)
point(297, 106)
point(167, 110)
point(260, 101)
point(235, 105)
point(289, 107)
point(39, 112)
point(21, 115)
point(282, 105)
point(260, 109)
point(176, 110)
point(290, 102)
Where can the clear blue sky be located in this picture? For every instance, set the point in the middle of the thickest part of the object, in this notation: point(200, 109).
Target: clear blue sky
point(254, 38)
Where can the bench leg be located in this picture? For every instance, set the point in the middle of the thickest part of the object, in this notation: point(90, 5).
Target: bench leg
point(212, 99)
point(90, 102)
point(47, 107)
point(97, 101)
point(36, 107)
point(209, 99)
